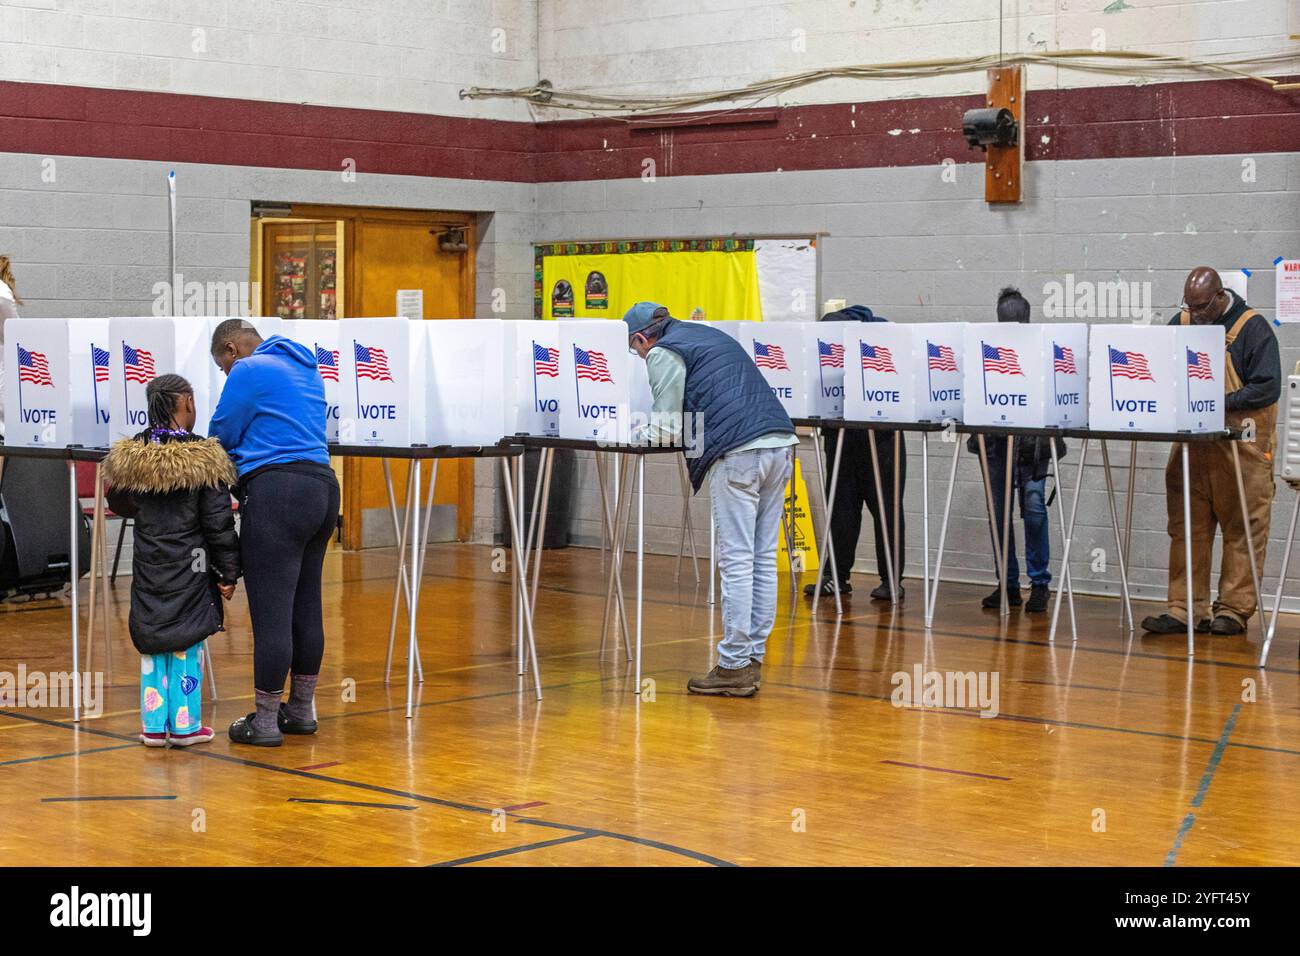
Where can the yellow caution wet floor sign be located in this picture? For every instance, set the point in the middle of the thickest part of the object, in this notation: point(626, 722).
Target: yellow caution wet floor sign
point(805, 541)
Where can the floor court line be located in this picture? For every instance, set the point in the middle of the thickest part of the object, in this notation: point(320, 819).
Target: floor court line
point(526, 848)
point(1216, 758)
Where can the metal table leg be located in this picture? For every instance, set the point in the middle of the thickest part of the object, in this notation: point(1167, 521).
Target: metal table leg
point(640, 562)
point(1006, 526)
point(925, 525)
point(1187, 550)
point(1065, 582)
point(516, 568)
point(74, 517)
point(1068, 538)
point(1250, 537)
point(1119, 542)
point(826, 527)
point(896, 582)
point(993, 521)
point(821, 489)
point(412, 604)
point(943, 533)
point(880, 503)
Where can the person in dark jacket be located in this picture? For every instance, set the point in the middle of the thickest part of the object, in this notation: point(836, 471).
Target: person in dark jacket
point(271, 421)
point(1029, 483)
point(856, 486)
point(175, 485)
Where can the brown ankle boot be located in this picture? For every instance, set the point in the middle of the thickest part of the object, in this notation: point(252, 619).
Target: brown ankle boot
point(725, 682)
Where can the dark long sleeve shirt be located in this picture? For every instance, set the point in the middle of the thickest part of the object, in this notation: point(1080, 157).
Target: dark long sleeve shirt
point(1255, 356)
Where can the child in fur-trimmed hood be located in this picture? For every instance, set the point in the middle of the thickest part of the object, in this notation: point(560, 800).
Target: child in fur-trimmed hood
point(176, 487)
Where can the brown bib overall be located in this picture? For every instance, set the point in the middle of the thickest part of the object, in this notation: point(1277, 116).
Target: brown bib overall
point(1215, 503)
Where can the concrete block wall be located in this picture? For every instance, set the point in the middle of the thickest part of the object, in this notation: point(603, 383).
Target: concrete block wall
point(679, 46)
point(916, 247)
point(411, 55)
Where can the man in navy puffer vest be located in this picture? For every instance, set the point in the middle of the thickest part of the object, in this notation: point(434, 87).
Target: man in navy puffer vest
point(745, 448)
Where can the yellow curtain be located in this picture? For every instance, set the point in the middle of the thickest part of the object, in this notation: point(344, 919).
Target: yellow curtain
point(724, 285)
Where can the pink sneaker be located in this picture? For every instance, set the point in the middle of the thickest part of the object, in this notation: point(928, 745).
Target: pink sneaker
point(153, 740)
point(200, 736)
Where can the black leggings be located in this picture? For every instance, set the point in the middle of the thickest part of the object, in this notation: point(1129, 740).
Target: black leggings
point(287, 519)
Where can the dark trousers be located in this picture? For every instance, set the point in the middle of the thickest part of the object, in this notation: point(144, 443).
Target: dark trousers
point(287, 519)
point(855, 487)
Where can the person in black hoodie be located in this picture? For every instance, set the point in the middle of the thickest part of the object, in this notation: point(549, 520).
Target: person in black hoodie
point(175, 485)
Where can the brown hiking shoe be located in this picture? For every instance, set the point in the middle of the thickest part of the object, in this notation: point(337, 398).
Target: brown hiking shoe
point(725, 682)
point(757, 668)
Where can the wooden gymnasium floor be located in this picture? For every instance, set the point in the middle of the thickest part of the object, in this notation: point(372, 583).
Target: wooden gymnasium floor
point(1184, 771)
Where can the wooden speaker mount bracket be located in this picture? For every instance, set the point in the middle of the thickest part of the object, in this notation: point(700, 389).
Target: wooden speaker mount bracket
point(1003, 164)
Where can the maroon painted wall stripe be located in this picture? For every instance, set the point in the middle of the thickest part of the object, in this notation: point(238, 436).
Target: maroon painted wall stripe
point(1091, 123)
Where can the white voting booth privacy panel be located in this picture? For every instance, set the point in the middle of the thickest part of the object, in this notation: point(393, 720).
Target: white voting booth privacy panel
point(823, 368)
point(603, 384)
point(1157, 379)
point(532, 377)
point(383, 394)
point(38, 405)
point(778, 349)
point(465, 381)
point(902, 373)
point(141, 349)
point(1029, 376)
point(322, 337)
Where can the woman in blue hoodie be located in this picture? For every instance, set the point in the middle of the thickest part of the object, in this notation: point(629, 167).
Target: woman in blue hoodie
point(271, 421)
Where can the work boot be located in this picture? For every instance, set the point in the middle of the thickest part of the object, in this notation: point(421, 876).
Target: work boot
point(1037, 602)
point(1164, 624)
point(757, 667)
point(725, 682)
point(881, 592)
point(1225, 626)
point(994, 600)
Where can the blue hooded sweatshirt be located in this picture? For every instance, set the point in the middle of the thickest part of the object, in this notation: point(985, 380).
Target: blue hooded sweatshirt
point(272, 410)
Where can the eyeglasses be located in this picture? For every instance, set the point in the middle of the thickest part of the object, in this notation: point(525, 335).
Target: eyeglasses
point(1203, 307)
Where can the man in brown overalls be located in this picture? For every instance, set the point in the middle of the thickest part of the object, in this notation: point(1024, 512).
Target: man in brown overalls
point(1252, 386)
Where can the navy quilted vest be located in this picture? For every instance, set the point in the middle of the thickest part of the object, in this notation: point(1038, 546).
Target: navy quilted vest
point(726, 392)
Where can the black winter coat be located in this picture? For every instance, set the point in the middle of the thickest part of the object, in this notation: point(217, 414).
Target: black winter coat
point(177, 490)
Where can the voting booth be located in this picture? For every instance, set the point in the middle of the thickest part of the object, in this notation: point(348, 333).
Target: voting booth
point(465, 381)
point(903, 373)
point(1157, 379)
point(532, 377)
point(140, 349)
point(383, 393)
point(603, 384)
point(322, 337)
point(38, 406)
point(823, 367)
point(777, 348)
point(1026, 376)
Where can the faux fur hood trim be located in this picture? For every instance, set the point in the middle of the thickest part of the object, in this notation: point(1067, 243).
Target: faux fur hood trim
point(135, 464)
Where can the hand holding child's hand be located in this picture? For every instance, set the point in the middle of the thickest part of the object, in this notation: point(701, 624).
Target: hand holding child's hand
point(227, 590)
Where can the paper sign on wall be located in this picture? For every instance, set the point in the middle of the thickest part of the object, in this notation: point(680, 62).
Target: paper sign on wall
point(410, 303)
point(1288, 290)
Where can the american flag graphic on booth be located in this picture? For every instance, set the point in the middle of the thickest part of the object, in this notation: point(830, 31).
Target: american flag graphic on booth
point(137, 364)
point(372, 363)
point(770, 356)
point(327, 363)
point(33, 367)
point(877, 358)
point(1198, 366)
point(591, 365)
point(546, 361)
point(99, 360)
point(1063, 360)
point(940, 357)
point(1129, 365)
point(830, 354)
point(998, 359)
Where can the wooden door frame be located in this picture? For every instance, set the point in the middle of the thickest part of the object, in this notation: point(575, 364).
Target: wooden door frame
point(352, 216)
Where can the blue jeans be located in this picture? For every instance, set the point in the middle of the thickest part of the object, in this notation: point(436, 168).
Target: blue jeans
point(747, 489)
point(1033, 509)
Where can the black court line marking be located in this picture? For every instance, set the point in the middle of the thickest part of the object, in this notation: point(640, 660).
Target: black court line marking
point(320, 766)
point(963, 773)
point(70, 753)
point(352, 803)
point(94, 799)
point(389, 791)
point(1206, 779)
point(524, 806)
point(526, 848)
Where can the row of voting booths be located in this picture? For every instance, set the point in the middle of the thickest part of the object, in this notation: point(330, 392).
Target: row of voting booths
point(392, 382)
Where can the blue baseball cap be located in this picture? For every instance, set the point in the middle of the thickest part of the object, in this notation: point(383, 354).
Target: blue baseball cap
point(643, 315)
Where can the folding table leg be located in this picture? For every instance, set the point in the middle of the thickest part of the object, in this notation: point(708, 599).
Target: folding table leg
point(896, 582)
point(821, 489)
point(640, 562)
point(548, 457)
point(74, 522)
point(1006, 526)
point(1281, 581)
point(826, 527)
point(988, 500)
point(1065, 582)
point(1068, 538)
point(880, 503)
point(516, 568)
point(925, 525)
point(1119, 543)
point(412, 603)
point(400, 584)
point(1187, 549)
point(1250, 537)
point(943, 533)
